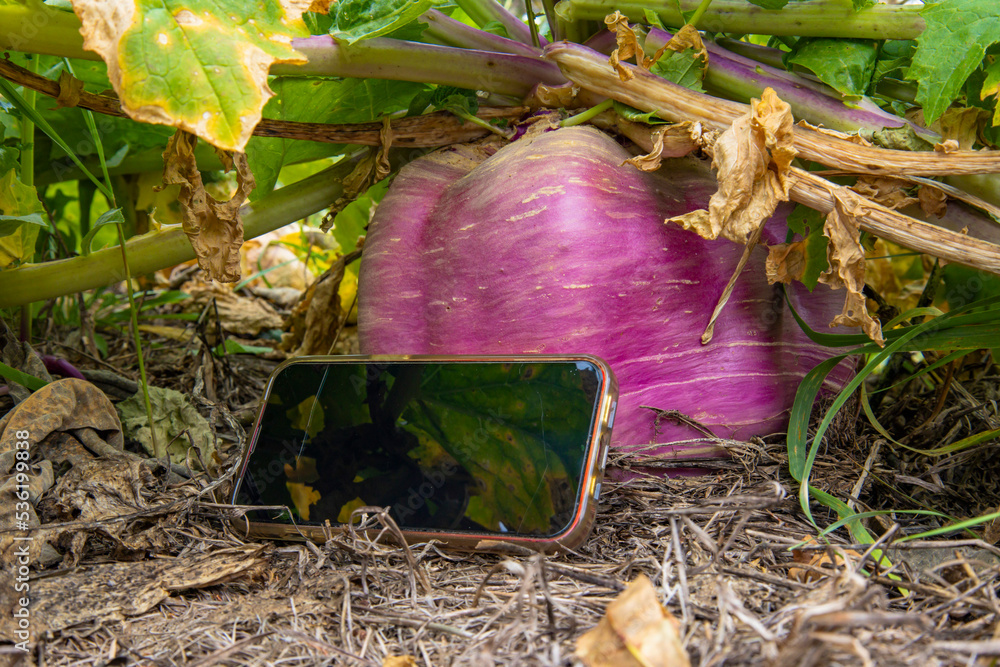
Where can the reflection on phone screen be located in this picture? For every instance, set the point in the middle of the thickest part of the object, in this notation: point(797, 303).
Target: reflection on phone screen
point(483, 446)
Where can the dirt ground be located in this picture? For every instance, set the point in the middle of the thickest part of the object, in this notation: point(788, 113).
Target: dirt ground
point(144, 566)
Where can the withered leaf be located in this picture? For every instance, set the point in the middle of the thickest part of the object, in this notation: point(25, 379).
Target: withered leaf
point(933, 201)
point(636, 631)
point(786, 262)
point(213, 227)
point(628, 45)
point(847, 261)
point(885, 190)
point(687, 37)
point(752, 159)
point(315, 320)
point(69, 90)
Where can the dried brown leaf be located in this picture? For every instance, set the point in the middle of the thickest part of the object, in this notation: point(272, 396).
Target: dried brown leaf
point(315, 320)
point(933, 201)
point(846, 257)
point(628, 45)
point(399, 661)
point(651, 160)
point(948, 146)
point(213, 227)
point(885, 190)
point(69, 90)
point(636, 630)
point(240, 315)
point(548, 97)
point(752, 159)
point(119, 590)
point(818, 559)
point(686, 38)
point(786, 262)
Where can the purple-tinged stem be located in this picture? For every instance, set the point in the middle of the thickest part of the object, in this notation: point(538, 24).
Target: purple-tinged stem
point(385, 58)
point(447, 30)
point(60, 366)
point(485, 11)
point(741, 78)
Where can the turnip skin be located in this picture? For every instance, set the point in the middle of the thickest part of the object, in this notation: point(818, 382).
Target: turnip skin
point(551, 246)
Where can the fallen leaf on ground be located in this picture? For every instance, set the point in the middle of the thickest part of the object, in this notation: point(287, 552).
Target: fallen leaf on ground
point(179, 426)
point(116, 591)
point(240, 315)
point(636, 630)
point(818, 559)
point(752, 159)
point(399, 661)
point(213, 227)
point(61, 409)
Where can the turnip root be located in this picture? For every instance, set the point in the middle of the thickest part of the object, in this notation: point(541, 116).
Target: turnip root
point(552, 246)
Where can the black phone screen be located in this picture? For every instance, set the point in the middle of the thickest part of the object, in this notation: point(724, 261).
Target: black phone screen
point(476, 446)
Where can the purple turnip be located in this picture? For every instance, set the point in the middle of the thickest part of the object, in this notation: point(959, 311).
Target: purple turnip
point(552, 246)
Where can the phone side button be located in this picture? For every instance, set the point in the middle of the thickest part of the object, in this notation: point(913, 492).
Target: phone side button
point(606, 444)
point(597, 491)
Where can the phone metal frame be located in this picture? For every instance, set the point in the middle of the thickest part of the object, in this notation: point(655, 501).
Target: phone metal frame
point(584, 513)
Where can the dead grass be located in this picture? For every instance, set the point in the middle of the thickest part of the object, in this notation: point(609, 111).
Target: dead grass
point(716, 546)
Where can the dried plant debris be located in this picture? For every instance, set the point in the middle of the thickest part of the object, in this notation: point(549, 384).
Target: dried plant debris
point(152, 569)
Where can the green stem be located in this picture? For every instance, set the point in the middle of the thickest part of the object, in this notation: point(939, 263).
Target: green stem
point(159, 450)
point(485, 11)
point(386, 58)
point(157, 250)
point(809, 18)
point(584, 116)
point(698, 13)
point(27, 158)
point(478, 121)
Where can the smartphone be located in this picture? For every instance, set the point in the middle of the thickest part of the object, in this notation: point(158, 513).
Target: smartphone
point(459, 449)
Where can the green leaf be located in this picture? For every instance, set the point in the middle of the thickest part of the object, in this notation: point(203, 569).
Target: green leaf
point(458, 101)
point(846, 65)
point(20, 219)
point(637, 116)
point(230, 346)
point(320, 101)
point(949, 50)
point(894, 58)
point(352, 222)
point(815, 254)
point(197, 65)
point(991, 88)
point(362, 19)
point(14, 375)
point(682, 68)
point(963, 285)
point(903, 138)
point(802, 218)
point(863, 4)
point(769, 4)
point(8, 156)
point(111, 217)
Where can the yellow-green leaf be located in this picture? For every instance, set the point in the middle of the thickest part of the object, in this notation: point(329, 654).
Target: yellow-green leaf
point(200, 65)
point(20, 219)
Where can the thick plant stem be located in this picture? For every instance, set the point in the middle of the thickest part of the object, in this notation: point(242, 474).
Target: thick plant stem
point(27, 158)
point(811, 18)
point(385, 58)
point(158, 250)
point(450, 32)
point(485, 11)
